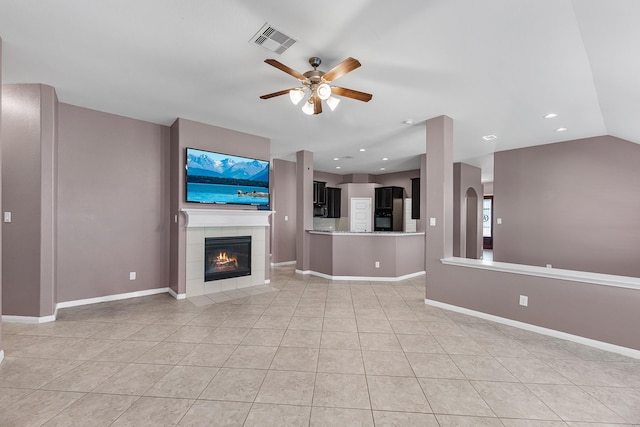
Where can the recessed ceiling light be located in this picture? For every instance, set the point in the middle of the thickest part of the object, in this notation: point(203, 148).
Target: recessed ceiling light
point(550, 116)
point(489, 137)
point(384, 159)
point(362, 149)
point(561, 129)
point(336, 158)
point(381, 169)
point(408, 122)
point(337, 167)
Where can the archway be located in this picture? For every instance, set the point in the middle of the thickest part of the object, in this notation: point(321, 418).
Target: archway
point(471, 235)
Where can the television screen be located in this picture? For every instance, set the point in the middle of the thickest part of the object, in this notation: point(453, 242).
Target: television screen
point(221, 178)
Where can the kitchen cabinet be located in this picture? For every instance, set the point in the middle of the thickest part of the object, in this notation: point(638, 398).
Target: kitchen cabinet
point(389, 209)
point(333, 202)
point(319, 193)
point(384, 196)
point(415, 198)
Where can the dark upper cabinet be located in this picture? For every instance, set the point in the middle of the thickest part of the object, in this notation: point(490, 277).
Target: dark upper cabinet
point(319, 193)
point(384, 196)
point(415, 198)
point(333, 202)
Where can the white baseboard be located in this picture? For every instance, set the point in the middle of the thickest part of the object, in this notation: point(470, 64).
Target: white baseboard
point(629, 352)
point(362, 278)
point(176, 295)
point(116, 297)
point(280, 264)
point(28, 319)
point(66, 304)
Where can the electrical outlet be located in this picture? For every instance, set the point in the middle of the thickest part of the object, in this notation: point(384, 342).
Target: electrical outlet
point(132, 275)
point(377, 264)
point(286, 217)
point(432, 222)
point(549, 266)
point(7, 217)
point(499, 221)
point(524, 300)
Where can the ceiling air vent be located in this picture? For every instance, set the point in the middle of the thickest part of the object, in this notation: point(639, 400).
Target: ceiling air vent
point(272, 39)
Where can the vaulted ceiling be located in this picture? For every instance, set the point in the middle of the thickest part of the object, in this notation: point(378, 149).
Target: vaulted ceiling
point(495, 66)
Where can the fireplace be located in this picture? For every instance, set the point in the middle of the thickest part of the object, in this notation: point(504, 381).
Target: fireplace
point(227, 257)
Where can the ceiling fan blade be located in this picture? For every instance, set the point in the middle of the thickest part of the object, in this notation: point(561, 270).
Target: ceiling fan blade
point(317, 105)
point(274, 94)
point(350, 93)
point(341, 69)
point(288, 70)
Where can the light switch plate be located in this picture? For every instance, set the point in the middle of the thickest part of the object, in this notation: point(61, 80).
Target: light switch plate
point(432, 222)
point(7, 217)
point(499, 220)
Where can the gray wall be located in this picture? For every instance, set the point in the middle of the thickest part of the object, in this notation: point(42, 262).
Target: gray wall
point(574, 205)
point(284, 203)
point(355, 190)
point(398, 179)
point(1, 205)
point(348, 255)
point(359, 178)
point(467, 177)
point(29, 182)
point(332, 179)
point(602, 313)
point(113, 204)
point(304, 202)
point(186, 133)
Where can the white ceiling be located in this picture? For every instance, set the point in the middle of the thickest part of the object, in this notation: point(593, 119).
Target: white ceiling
point(494, 66)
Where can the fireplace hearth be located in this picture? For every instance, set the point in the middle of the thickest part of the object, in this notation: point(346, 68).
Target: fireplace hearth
point(227, 257)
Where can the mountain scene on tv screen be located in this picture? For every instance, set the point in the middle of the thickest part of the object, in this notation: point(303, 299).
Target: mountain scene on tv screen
point(211, 168)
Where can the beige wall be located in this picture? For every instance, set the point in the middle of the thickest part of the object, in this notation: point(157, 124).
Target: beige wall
point(1, 205)
point(467, 244)
point(356, 255)
point(283, 231)
point(331, 179)
point(113, 204)
point(604, 313)
point(398, 179)
point(29, 172)
point(574, 205)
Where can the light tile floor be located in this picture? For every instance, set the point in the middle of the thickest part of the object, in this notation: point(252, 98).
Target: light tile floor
point(304, 352)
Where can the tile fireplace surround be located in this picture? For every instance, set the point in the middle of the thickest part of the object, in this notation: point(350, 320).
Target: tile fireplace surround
point(202, 223)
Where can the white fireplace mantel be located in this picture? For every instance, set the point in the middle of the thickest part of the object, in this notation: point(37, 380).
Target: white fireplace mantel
point(226, 218)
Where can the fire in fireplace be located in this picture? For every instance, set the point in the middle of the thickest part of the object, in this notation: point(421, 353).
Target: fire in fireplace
point(227, 257)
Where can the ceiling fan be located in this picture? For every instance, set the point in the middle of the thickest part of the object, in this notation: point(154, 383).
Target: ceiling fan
point(316, 83)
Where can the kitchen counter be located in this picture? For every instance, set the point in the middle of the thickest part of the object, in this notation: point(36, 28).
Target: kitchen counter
point(374, 256)
point(368, 233)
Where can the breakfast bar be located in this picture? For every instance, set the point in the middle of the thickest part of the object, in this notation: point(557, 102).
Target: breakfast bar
point(376, 256)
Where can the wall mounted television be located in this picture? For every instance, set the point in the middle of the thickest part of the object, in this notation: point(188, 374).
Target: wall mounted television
point(224, 179)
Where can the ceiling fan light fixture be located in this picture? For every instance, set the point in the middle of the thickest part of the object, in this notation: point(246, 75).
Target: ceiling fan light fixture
point(323, 91)
point(307, 108)
point(296, 95)
point(332, 102)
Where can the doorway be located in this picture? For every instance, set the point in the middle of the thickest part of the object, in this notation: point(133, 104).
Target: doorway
point(487, 223)
point(471, 239)
point(360, 214)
